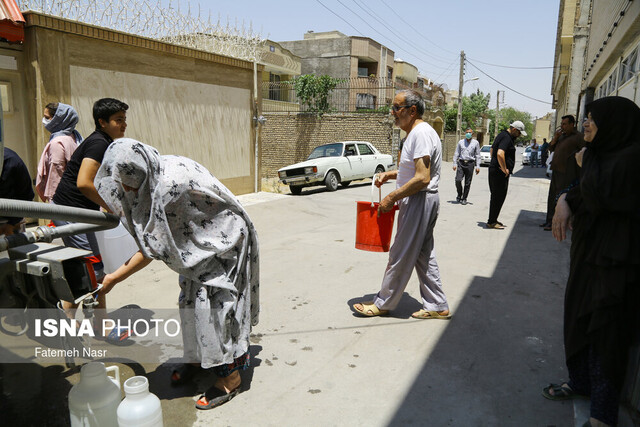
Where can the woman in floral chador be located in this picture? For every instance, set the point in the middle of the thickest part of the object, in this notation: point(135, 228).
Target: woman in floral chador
point(182, 215)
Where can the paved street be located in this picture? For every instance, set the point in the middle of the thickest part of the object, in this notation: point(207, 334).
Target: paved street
point(316, 363)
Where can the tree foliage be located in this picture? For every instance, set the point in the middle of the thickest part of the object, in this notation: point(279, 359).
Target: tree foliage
point(507, 116)
point(313, 92)
point(474, 107)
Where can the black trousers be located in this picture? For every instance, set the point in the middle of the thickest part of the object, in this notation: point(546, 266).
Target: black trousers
point(557, 184)
point(464, 170)
point(498, 185)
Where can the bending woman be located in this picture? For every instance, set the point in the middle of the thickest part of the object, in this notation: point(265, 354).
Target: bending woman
point(601, 318)
point(182, 215)
point(61, 120)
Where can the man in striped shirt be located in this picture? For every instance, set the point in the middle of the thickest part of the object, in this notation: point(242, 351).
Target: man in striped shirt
point(466, 156)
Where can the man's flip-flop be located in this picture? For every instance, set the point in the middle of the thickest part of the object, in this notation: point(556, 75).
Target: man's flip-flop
point(561, 392)
point(424, 314)
point(215, 397)
point(118, 336)
point(370, 310)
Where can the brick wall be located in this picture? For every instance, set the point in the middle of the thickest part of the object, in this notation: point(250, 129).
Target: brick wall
point(289, 138)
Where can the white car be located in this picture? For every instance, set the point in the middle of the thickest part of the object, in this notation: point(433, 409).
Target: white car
point(485, 155)
point(336, 163)
point(526, 156)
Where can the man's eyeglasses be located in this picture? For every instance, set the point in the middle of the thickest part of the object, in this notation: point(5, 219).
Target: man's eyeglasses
point(396, 108)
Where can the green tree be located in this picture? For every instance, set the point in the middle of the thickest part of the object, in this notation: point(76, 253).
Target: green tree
point(474, 107)
point(507, 116)
point(313, 92)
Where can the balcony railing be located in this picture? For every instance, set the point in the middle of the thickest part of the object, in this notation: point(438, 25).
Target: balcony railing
point(358, 94)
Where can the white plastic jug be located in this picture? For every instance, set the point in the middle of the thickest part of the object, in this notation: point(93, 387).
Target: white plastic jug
point(94, 400)
point(116, 246)
point(140, 408)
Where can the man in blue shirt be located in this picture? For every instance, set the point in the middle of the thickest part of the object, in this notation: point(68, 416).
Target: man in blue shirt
point(466, 156)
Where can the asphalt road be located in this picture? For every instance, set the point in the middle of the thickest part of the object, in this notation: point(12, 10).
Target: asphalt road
point(314, 362)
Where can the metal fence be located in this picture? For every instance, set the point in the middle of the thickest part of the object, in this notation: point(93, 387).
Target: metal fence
point(358, 94)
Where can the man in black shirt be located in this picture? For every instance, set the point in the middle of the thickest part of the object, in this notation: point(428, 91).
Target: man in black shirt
point(503, 158)
point(15, 183)
point(76, 187)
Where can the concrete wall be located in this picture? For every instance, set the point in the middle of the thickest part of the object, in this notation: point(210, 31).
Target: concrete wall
point(289, 138)
point(182, 101)
point(15, 105)
point(204, 118)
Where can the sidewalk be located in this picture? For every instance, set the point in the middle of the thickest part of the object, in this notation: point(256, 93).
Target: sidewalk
point(316, 363)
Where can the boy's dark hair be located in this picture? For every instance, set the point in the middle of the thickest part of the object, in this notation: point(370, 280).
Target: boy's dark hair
point(105, 108)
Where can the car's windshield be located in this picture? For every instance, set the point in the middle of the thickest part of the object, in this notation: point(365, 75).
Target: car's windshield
point(528, 149)
point(329, 150)
point(485, 148)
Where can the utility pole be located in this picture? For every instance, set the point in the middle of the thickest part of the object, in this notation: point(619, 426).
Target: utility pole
point(459, 118)
point(495, 126)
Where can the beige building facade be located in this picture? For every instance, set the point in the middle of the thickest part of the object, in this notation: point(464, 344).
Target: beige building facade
point(596, 53)
point(280, 67)
point(182, 101)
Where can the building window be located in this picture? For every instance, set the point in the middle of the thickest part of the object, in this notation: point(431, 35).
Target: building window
point(5, 97)
point(612, 82)
point(628, 67)
point(390, 73)
point(363, 72)
point(365, 101)
point(274, 87)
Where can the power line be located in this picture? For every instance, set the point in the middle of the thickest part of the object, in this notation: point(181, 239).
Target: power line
point(400, 36)
point(347, 22)
point(517, 68)
point(504, 85)
point(449, 68)
point(417, 31)
point(374, 29)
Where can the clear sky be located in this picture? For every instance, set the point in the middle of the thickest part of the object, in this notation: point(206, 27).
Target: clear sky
point(429, 35)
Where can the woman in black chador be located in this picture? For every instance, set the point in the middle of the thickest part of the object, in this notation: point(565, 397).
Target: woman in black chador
point(602, 300)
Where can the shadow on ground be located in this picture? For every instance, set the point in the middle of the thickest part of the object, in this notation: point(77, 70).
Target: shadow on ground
point(503, 344)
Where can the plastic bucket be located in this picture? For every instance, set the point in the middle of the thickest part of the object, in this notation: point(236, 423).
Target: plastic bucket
point(116, 247)
point(373, 232)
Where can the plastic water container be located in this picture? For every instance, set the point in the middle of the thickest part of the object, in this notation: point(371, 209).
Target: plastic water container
point(116, 247)
point(93, 402)
point(140, 408)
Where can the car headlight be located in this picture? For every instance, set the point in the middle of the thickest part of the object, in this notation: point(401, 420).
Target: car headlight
point(310, 169)
point(282, 174)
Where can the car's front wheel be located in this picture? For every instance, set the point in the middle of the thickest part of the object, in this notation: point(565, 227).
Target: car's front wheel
point(295, 189)
point(331, 181)
point(379, 169)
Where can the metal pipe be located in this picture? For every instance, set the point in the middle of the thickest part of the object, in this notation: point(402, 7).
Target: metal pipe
point(48, 234)
point(33, 268)
point(20, 209)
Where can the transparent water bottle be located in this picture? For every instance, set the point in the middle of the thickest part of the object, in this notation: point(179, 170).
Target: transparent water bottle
point(93, 402)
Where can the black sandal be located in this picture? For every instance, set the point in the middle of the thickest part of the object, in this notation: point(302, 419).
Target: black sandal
point(560, 392)
point(215, 397)
point(183, 374)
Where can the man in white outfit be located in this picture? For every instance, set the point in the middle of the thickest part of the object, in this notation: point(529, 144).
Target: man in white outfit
point(416, 193)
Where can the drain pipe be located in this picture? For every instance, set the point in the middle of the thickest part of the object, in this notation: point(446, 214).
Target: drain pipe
point(86, 221)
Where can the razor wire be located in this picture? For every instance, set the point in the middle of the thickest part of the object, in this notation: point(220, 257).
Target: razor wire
point(189, 28)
